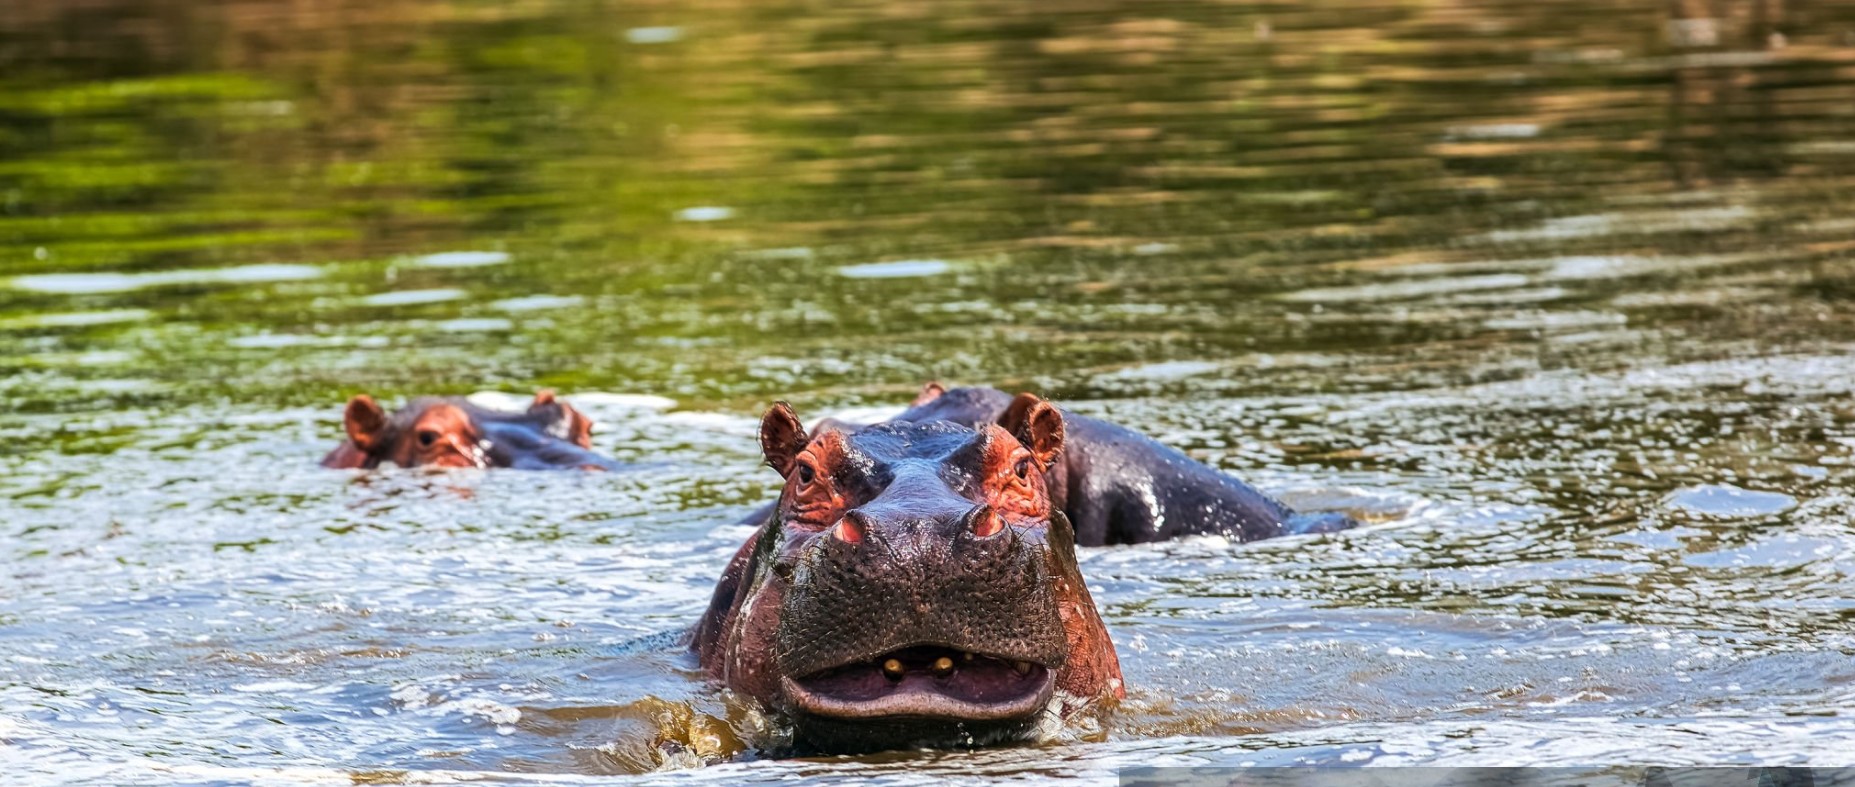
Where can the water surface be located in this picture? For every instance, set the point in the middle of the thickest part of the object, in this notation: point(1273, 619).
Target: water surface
point(1558, 296)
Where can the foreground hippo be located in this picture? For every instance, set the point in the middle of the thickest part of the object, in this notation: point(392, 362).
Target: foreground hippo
point(916, 585)
point(450, 431)
point(916, 582)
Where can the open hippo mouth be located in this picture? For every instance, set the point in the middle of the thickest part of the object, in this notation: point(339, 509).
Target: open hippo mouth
point(914, 588)
point(926, 682)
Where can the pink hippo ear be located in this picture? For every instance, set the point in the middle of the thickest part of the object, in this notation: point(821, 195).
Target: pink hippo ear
point(365, 422)
point(782, 438)
point(1038, 425)
point(579, 428)
point(929, 392)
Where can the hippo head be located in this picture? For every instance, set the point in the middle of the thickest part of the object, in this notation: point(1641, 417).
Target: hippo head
point(452, 432)
point(914, 587)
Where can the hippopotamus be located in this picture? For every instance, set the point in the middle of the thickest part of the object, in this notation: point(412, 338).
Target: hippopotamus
point(1121, 487)
point(450, 431)
point(916, 585)
point(916, 582)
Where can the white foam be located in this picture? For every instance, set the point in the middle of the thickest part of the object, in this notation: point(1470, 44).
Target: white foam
point(459, 259)
point(497, 400)
point(90, 283)
point(705, 213)
point(867, 415)
point(1167, 370)
point(528, 303)
point(412, 297)
point(653, 35)
point(896, 270)
point(77, 319)
point(272, 687)
point(1725, 501)
point(624, 401)
point(475, 325)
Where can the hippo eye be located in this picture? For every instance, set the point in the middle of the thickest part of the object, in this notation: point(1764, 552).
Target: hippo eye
point(806, 473)
point(427, 437)
point(1023, 469)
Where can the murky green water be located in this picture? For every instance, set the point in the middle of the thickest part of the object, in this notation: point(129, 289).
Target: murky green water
point(1561, 295)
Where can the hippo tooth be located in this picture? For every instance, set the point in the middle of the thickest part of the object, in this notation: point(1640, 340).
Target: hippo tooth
point(1023, 667)
point(966, 656)
point(943, 666)
point(893, 668)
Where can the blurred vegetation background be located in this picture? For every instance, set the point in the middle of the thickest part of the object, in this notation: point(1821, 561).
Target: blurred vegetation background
point(674, 197)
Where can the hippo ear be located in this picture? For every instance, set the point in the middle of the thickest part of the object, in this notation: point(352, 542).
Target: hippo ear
point(929, 392)
point(1037, 424)
point(365, 422)
point(578, 429)
point(782, 437)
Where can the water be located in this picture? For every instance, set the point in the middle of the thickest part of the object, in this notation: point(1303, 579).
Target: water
point(1557, 296)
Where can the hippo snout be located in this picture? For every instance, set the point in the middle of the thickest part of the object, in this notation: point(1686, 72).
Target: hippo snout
point(937, 589)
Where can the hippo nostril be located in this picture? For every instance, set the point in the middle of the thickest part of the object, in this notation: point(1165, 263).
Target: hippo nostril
point(852, 528)
point(984, 522)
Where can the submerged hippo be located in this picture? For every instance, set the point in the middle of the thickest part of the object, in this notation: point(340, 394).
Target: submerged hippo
point(916, 583)
point(1121, 487)
point(449, 431)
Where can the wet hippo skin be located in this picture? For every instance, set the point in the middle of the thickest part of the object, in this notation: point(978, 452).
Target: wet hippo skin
point(914, 586)
point(1121, 487)
point(916, 582)
point(433, 431)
